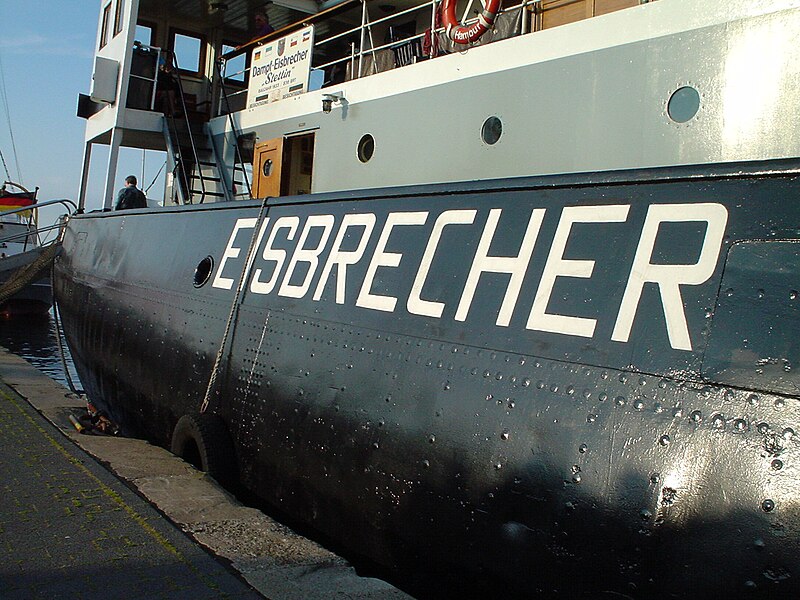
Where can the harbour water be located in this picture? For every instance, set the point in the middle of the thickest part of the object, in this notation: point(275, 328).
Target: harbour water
point(35, 340)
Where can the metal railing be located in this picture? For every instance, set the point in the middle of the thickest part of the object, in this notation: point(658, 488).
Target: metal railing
point(63, 201)
point(151, 82)
point(357, 53)
point(27, 234)
point(33, 230)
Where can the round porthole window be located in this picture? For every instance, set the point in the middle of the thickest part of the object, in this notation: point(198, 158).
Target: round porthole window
point(366, 147)
point(266, 169)
point(492, 130)
point(683, 104)
point(203, 271)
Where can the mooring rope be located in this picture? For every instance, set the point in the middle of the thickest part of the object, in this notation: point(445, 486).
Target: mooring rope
point(29, 273)
point(254, 240)
point(59, 340)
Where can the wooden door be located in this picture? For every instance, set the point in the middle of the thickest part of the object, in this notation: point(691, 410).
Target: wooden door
point(560, 12)
point(267, 167)
point(552, 13)
point(602, 7)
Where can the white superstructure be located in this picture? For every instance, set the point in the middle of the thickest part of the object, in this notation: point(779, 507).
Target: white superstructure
point(660, 83)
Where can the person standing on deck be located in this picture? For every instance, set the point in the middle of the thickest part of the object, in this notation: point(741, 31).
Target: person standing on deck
point(130, 196)
point(262, 24)
point(167, 86)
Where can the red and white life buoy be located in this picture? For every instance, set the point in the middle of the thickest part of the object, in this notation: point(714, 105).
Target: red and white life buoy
point(463, 34)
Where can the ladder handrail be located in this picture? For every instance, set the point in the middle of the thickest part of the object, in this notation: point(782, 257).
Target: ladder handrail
point(192, 145)
point(239, 159)
point(174, 156)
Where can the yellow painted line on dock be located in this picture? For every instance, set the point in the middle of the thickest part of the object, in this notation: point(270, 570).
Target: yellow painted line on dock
point(114, 496)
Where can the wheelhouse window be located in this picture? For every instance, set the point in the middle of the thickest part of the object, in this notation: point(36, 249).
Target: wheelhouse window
point(104, 26)
point(145, 33)
point(118, 16)
point(235, 69)
point(189, 50)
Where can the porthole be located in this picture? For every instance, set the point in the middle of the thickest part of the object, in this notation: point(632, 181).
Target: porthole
point(203, 271)
point(266, 168)
point(683, 104)
point(492, 130)
point(366, 147)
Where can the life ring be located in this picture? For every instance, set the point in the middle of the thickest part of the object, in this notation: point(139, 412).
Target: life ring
point(466, 34)
point(202, 439)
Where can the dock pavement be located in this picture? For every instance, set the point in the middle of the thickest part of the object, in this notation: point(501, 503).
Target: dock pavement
point(85, 516)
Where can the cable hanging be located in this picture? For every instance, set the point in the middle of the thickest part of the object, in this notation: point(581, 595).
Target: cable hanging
point(4, 97)
point(5, 166)
point(156, 177)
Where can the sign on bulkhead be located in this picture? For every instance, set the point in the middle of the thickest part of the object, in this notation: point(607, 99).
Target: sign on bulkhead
point(280, 69)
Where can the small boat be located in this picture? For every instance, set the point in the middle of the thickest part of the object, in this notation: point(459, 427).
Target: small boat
point(25, 287)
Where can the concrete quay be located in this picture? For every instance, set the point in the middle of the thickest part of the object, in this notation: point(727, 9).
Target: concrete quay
point(85, 516)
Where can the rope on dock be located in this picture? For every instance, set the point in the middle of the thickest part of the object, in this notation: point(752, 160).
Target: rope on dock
point(29, 273)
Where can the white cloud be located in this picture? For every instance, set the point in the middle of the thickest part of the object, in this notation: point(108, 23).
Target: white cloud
point(23, 43)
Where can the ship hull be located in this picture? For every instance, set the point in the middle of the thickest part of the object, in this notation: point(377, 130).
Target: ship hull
point(582, 385)
point(35, 298)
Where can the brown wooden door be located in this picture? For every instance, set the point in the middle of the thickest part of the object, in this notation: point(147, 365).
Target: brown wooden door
point(267, 166)
point(552, 13)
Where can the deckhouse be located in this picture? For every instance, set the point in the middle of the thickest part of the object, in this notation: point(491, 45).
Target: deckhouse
point(324, 101)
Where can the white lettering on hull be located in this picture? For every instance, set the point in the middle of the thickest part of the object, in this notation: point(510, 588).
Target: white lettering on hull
point(277, 255)
point(670, 277)
point(231, 251)
point(516, 266)
point(341, 258)
point(306, 255)
point(558, 266)
point(358, 228)
point(381, 258)
point(416, 305)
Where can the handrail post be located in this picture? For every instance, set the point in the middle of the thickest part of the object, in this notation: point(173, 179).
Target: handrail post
point(155, 81)
point(523, 26)
point(361, 43)
point(434, 40)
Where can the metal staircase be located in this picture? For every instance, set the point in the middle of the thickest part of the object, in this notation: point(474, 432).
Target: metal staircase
point(197, 176)
point(191, 157)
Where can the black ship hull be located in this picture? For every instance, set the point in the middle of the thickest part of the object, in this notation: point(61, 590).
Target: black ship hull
point(586, 386)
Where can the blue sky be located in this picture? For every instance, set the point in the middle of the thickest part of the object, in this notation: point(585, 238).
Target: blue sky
point(46, 52)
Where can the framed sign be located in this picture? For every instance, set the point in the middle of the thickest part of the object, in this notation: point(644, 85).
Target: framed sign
point(280, 69)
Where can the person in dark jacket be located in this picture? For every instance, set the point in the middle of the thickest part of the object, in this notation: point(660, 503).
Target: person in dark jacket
point(167, 87)
point(263, 27)
point(130, 196)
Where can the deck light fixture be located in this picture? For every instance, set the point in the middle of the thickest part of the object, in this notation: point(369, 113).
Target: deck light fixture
point(328, 100)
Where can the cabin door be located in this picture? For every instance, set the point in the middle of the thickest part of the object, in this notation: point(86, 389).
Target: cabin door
point(267, 167)
point(283, 166)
